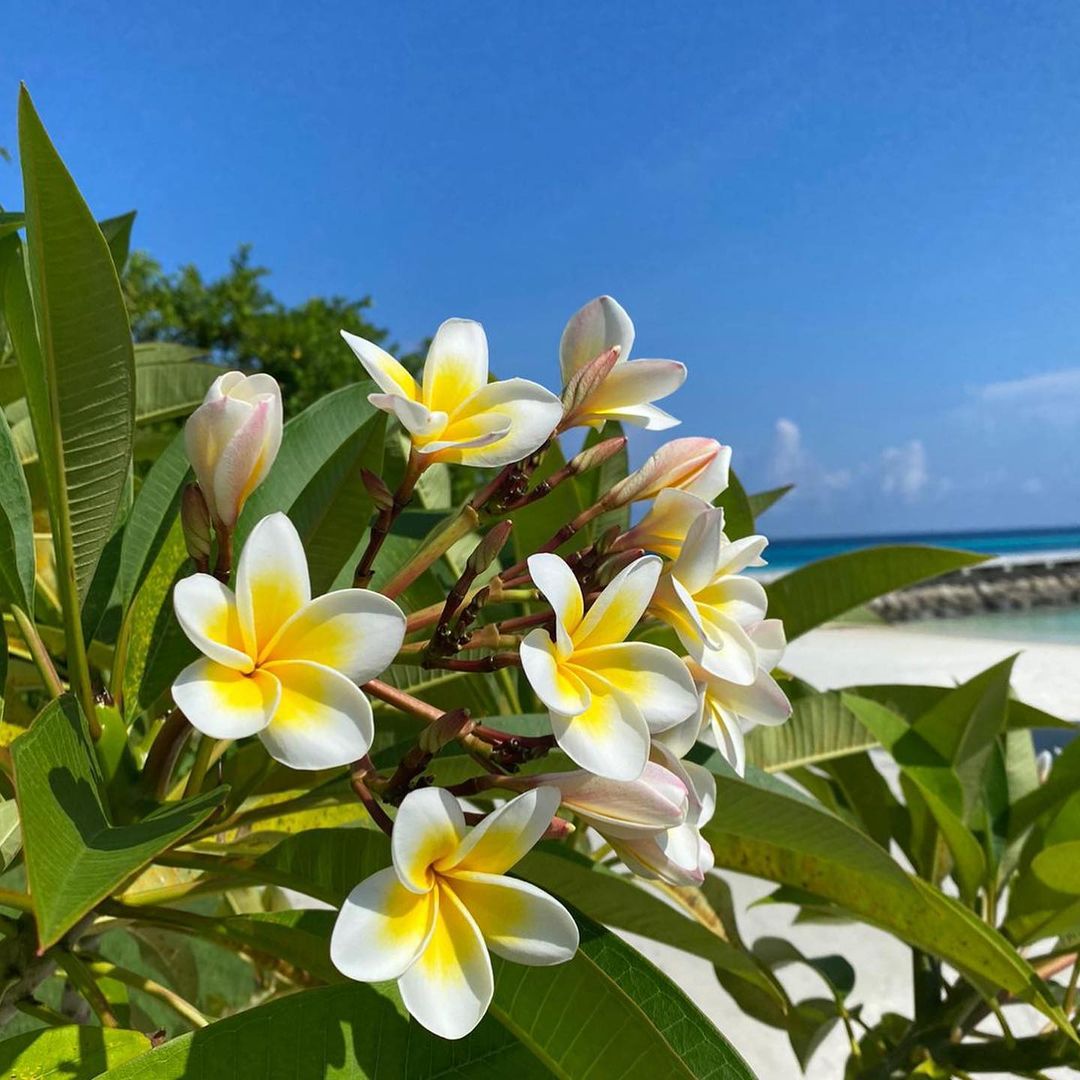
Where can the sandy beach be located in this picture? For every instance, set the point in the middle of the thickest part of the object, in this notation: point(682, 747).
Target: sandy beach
point(1046, 675)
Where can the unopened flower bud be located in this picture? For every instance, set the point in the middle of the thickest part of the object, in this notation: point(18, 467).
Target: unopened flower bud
point(487, 551)
point(195, 521)
point(596, 455)
point(450, 726)
point(698, 466)
point(232, 439)
point(380, 494)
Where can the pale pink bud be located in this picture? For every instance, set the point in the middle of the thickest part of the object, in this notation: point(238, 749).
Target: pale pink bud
point(232, 439)
point(655, 802)
point(695, 465)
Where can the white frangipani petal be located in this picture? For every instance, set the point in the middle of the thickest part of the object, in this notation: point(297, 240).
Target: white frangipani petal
point(206, 611)
point(556, 581)
point(322, 719)
point(598, 326)
point(506, 835)
point(382, 928)
point(518, 921)
point(222, 702)
point(456, 365)
point(429, 827)
point(449, 986)
point(390, 376)
point(618, 609)
point(556, 685)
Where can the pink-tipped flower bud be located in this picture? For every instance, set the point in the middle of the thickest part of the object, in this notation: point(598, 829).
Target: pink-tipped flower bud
point(487, 551)
point(656, 801)
point(696, 465)
point(595, 456)
point(195, 521)
point(232, 439)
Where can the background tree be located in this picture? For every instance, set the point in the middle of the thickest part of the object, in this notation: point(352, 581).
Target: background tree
point(239, 321)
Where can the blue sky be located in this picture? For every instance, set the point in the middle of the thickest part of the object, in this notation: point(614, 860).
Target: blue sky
point(858, 223)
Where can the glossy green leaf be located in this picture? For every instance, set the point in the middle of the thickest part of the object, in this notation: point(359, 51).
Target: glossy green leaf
point(10, 221)
point(821, 591)
point(763, 500)
point(639, 1024)
point(620, 902)
point(820, 729)
point(10, 832)
point(316, 479)
point(81, 385)
point(738, 514)
point(932, 775)
point(593, 485)
point(74, 856)
point(771, 833)
point(325, 863)
point(117, 233)
point(16, 527)
point(155, 649)
point(152, 515)
point(69, 1053)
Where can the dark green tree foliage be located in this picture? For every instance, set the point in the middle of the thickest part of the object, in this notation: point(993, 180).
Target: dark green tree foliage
point(242, 324)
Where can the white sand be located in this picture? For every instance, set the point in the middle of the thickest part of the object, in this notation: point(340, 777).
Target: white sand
point(1047, 676)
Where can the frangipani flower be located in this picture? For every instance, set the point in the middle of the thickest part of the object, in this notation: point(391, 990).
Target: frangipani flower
point(232, 439)
point(278, 664)
point(702, 598)
point(617, 388)
point(727, 710)
point(454, 414)
point(656, 801)
point(605, 695)
point(695, 465)
point(664, 528)
point(679, 855)
point(430, 919)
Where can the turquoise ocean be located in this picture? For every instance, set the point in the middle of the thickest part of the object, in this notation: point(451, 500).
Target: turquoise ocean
point(1051, 624)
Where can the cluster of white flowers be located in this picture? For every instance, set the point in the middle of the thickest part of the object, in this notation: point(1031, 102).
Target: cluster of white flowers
point(288, 668)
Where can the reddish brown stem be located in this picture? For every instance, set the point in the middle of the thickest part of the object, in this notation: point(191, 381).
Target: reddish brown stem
point(484, 664)
point(384, 522)
point(371, 804)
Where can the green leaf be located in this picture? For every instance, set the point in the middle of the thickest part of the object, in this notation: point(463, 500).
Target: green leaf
point(1058, 867)
point(536, 523)
point(761, 502)
point(152, 515)
point(68, 1053)
point(16, 527)
point(596, 483)
point(117, 233)
point(81, 385)
point(75, 857)
point(738, 514)
point(316, 479)
point(939, 787)
point(166, 391)
point(825, 589)
point(10, 221)
point(771, 833)
point(10, 832)
point(821, 728)
point(618, 901)
point(637, 1020)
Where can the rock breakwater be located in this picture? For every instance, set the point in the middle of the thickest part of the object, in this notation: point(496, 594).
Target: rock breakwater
point(994, 586)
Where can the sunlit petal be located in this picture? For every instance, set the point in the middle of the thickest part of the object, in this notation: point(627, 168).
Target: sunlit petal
point(354, 631)
point(556, 581)
point(617, 610)
point(469, 433)
point(206, 611)
point(649, 417)
point(695, 568)
point(456, 365)
point(505, 835)
point(637, 383)
point(598, 326)
point(663, 529)
point(519, 922)
point(271, 580)
point(390, 376)
point(414, 417)
point(769, 640)
point(322, 721)
point(532, 412)
point(382, 928)
point(449, 986)
point(653, 677)
point(556, 686)
point(246, 459)
point(428, 827)
point(610, 738)
point(223, 703)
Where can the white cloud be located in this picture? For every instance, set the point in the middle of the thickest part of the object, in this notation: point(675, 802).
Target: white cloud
point(788, 456)
point(1052, 398)
point(903, 470)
